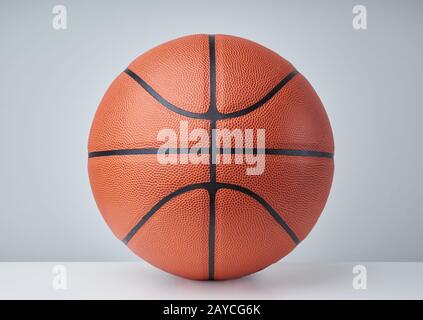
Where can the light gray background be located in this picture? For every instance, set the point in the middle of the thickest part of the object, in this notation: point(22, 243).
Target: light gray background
point(369, 81)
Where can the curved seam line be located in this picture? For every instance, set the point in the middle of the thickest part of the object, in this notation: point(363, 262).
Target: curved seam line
point(265, 205)
point(158, 205)
point(162, 100)
point(263, 100)
point(207, 115)
point(212, 187)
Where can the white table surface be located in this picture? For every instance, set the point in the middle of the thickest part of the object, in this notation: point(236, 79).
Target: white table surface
point(138, 280)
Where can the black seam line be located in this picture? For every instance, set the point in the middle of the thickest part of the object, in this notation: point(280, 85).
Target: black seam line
point(158, 205)
point(212, 54)
point(266, 205)
point(123, 152)
point(162, 100)
point(263, 100)
point(268, 151)
point(216, 114)
point(212, 151)
point(212, 188)
point(299, 153)
point(212, 231)
point(212, 116)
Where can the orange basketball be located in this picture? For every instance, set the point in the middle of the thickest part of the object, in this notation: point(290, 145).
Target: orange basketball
point(211, 218)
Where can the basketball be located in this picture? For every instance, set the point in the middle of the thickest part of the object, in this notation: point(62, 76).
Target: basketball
point(210, 157)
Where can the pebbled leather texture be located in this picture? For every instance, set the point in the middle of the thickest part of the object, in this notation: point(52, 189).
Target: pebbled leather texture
point(183, 235)
point(293, 119)
point(245, 72)
point(175, 239)
point(247, 237)
point(183, 79)
point(128, 117)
